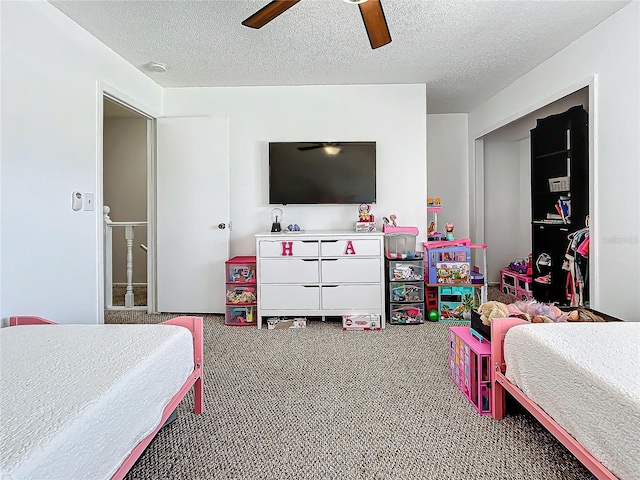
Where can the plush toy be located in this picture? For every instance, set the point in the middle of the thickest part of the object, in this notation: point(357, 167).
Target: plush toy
point(582, 315)
point(536, 312)
point(491, 310)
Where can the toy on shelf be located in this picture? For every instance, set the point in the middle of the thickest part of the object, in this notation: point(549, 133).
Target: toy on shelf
point(521, 265)
point(516, 284)
point(456, 302)
point(366, 221)
point(433, 207)
point(448, 228)
point(448, 264)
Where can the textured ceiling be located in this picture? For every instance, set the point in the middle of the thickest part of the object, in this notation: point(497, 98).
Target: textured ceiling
point(465, 51)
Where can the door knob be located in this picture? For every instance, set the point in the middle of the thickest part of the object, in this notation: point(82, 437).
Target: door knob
point(222, 226)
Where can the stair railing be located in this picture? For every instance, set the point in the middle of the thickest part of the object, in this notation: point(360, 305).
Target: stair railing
point(109, 225)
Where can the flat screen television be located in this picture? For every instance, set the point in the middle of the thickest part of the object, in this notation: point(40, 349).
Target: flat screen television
point(322, 172)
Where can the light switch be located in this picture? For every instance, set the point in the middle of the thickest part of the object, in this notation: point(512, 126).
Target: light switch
point(89, 198)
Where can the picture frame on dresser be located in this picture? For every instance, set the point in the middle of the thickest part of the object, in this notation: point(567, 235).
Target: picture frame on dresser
point(320, 274)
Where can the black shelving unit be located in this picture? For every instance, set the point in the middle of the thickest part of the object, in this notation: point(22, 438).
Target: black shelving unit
point(559, 174)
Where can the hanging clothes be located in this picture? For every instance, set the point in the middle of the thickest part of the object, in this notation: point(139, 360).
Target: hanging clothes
point(577, 267)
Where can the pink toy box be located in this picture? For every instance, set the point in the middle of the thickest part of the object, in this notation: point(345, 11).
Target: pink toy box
point(470, 368)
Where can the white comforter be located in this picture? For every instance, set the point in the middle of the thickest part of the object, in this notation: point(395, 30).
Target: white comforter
point(586, 376)
point(76, 399)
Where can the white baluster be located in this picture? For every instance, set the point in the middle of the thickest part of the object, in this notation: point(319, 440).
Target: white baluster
point(108, 258)
point(128, 298)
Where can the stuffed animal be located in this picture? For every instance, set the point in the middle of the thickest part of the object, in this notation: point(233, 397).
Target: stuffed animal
point(582, 315)
point(491, 310)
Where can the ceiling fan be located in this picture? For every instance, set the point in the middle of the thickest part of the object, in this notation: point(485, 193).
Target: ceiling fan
point(371, 10)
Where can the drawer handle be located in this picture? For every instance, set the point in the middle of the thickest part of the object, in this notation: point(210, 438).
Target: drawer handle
point(309, 241)
point(328, 241)
point(330, 286)
point(329, 259)
point(309, 259)
point(310, 286)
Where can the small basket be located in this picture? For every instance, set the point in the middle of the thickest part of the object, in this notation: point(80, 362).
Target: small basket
point(559, 184)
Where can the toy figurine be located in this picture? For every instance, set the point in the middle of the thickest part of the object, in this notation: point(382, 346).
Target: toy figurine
point(448, 228)
point(364, 213)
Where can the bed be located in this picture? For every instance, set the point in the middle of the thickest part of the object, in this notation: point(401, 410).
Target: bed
point(84, 401)
point(581, 381)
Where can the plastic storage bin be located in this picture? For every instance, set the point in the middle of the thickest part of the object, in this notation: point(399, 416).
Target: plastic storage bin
point(406, 292)
point(406, 313)
point(400, 245)
point(239, 271)
point(407, 271)
point(241, 294)
point(241, 315)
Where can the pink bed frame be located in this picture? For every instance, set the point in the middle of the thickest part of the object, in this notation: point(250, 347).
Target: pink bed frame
point(500, 385)
point(195, 380)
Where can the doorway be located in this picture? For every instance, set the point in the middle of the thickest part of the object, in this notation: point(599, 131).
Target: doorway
point(127, 238)
point(503, 159)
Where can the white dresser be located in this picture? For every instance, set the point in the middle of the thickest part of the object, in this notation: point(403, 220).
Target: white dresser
point(320, 273)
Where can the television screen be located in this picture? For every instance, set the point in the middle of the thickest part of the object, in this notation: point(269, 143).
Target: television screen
point(322, 172)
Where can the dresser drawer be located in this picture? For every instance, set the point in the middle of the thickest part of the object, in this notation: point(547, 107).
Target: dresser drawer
point(289, 297)
point(353, 297)
point(350, 248)
point(288, 248)
point(350, 270)
point(289, 270)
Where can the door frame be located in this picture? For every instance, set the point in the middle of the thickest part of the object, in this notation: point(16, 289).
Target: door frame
point(114, 95)
point(476, 174)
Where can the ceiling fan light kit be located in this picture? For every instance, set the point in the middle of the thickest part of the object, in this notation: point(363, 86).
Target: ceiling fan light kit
point(371, 11)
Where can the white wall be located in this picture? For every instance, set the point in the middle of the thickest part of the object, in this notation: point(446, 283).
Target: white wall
point(448, 169)
point(502, 206)
point(523, 227)
point(50, 73)
point(125, 190)
point(611, 51)
point(394, 116)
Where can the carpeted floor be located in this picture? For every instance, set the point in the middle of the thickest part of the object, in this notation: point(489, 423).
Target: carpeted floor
point(321, 403)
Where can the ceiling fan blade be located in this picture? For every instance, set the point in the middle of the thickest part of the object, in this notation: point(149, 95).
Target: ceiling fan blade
point(268, 13)
point(375, 23)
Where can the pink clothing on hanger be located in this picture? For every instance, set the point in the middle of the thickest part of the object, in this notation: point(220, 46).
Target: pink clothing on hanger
point(583, 249)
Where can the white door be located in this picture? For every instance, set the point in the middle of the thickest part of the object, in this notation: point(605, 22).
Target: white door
point(192, 213)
